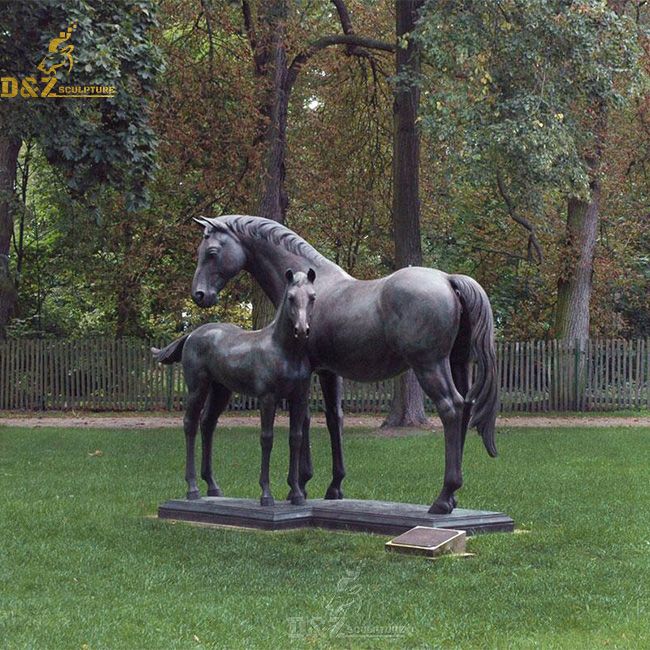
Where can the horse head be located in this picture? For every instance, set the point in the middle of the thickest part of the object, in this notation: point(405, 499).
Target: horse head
point(220, 257)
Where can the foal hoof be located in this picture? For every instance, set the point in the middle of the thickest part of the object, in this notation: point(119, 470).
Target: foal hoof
point(192, 495)
point(215, 492)
point(267, 501)
point(333, 493)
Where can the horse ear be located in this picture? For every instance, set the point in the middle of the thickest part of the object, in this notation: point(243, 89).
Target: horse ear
point(311, 275)
point(216, 224)
point(289, 275)
point(210, 222)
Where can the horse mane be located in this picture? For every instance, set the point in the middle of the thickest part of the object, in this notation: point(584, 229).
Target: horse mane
point(271, 231)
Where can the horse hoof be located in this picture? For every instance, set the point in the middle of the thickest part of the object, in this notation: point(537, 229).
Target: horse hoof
point(215, 493)
point(192, 495)
point(267, 501)
point(297, 500)
point(334, 493)
point(441, 507)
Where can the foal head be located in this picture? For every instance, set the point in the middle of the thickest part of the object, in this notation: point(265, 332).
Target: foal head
point(299, 301)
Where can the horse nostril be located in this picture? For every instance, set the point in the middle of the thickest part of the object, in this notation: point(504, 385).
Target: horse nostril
point(307, 332)
point(199, 295)
point(295, 332)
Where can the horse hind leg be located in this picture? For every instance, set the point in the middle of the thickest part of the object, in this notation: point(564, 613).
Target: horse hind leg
point(438, 384)
point(460, 373)
point(218, 399)
point(332, 387)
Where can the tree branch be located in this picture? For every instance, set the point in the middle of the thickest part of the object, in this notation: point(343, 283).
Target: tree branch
point(344, 16)
point(495, 251)
point(259, 59)
point(534, 249)
point(334, 39)
point(208, 25)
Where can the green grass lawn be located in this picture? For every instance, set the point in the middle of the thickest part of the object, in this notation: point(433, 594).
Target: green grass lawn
point(82, 565)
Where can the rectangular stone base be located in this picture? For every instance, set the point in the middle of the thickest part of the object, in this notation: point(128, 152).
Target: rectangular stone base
point(382, 517)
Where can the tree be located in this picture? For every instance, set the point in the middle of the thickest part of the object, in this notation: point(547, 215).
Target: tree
point(91, 141)
point(536, 128)
point(269, 43)
point(407, 408)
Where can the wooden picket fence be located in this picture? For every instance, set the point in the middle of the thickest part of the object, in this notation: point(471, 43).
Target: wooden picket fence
point(102, 374)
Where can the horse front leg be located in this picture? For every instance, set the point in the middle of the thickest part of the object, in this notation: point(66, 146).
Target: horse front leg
point(195, 399)
point(332, 387)
point(298, 406)
point(437, 383)
point(267, 415)
point(218, 399)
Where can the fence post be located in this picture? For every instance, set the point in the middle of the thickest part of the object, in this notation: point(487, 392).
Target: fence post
point(170, 388)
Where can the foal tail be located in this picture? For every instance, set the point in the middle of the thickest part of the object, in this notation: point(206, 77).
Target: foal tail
point(477, 317)
point(171, 353)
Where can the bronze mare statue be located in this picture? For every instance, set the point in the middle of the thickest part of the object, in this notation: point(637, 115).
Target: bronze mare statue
point(416, 317)
point(271, 363)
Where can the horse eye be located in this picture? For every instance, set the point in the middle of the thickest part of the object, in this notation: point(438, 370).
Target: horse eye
point(312, 298)
point(292, 298)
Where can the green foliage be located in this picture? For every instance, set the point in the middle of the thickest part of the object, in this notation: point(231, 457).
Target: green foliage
point(93, 141)
point(525, 90)
point(520, 85)
point(509, 86)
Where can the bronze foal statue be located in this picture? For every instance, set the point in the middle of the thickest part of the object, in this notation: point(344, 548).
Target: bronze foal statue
point(271, 364)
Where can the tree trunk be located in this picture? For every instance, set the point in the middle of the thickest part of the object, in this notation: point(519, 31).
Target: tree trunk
point(574, 286)
point(407, 408)
point(127, 321)
point(128, 312)
point(273, 200)
point(9, 148)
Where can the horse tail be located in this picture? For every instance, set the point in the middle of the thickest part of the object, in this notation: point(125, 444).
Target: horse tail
point(171, 353)
point(484, 392)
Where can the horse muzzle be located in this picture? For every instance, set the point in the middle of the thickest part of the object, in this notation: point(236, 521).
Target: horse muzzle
point(204, 298)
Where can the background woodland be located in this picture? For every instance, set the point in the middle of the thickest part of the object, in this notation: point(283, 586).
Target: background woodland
point(520, 131)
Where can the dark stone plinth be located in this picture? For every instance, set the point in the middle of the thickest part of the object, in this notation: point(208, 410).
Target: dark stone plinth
point(383, 517)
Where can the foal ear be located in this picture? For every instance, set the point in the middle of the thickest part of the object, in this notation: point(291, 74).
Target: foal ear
point(311, 275)
point(289, 275)
point(202, 221)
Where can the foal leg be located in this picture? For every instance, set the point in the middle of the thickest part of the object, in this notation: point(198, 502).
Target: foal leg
point(197, 390)
point(306, 469)
point(332, 387)
point(268, 405)
point(438, 384)
point(218, 399)
point(298, 406)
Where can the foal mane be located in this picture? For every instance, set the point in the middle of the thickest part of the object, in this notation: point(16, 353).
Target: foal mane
point(271, 231)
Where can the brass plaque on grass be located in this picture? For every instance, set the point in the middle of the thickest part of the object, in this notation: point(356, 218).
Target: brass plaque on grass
point(430, 542)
